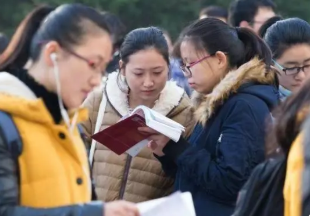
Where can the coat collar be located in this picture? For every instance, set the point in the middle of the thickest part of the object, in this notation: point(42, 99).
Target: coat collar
point(169, 98)
point(18, 99)
point(252, 71)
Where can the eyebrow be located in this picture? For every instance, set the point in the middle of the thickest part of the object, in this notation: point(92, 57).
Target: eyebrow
point(139, 69)
point(294, 62)
point(307, 60)
point(158, 67)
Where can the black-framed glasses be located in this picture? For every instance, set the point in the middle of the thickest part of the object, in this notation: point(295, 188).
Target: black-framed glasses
point(186, 69)
point(292, 70)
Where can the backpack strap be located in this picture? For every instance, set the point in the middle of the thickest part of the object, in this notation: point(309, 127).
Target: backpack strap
point(11, 134)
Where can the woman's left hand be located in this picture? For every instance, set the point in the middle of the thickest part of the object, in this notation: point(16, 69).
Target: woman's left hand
point(157, 141)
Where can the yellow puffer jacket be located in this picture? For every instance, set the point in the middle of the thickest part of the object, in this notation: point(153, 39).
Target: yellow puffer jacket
point(53, 165)
point(297, 181)
point(293, 179)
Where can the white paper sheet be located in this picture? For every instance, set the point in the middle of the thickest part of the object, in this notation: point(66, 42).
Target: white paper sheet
point(178, 204)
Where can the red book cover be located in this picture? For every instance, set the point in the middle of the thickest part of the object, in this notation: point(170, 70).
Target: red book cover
point(123, 135)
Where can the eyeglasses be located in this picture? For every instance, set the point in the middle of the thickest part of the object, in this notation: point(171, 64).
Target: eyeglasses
point(186, 69)
point(292, 70)
point(90, 63)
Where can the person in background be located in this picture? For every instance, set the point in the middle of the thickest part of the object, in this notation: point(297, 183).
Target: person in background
point(289, 41)
point(291, 133)
point(236, 87)
point(142, 80)
point(118, 32)
point(215, 12)
point(45, 171)
point(251, 14)
point(176, 73)
point(277, 185)
point(4, 41)
point(263, 29)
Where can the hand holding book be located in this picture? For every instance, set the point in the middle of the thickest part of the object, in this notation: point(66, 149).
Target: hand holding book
point(124, 136)
point(157, 141)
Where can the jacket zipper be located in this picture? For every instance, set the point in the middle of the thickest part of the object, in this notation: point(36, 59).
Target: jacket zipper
point(217, 147)
point(125, 177)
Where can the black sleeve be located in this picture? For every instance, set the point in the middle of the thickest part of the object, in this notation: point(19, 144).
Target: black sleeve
point(9, 194)
point(168, 165)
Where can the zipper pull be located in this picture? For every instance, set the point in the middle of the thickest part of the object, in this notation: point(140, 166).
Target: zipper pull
point(220, 138)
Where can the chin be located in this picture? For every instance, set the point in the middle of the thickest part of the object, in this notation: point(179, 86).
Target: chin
point(73, 104)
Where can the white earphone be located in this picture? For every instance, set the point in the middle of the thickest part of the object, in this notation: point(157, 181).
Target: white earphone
point(64, 113)
point(53, 57)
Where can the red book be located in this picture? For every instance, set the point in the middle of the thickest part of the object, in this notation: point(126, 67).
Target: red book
point(123, 135)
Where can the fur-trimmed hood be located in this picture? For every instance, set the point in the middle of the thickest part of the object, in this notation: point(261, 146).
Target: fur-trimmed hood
point(252, 78)
point(170, 97)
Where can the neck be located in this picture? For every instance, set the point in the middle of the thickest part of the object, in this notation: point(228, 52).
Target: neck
point(134, 101)
point(37, 72)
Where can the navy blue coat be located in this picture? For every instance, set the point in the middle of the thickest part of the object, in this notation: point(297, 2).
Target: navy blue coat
point(218, 158)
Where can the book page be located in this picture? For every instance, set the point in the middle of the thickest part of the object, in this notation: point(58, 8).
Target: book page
point(178, 204)
point(148, 113)
point(165, 120)
point(134, 151)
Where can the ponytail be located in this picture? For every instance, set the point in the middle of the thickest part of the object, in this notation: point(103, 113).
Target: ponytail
point(17, 53)
point(239, 44)
point(254, 46)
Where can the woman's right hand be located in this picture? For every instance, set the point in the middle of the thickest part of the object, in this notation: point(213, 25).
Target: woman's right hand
point(120, 208)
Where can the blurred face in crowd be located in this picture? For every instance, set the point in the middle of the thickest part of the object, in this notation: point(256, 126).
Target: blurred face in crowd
point(262, 15)
point(146, 74)
point(80, 69)
point(203, 71)
point(294, 66)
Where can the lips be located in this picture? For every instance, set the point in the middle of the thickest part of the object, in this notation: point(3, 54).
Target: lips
point(86, 92)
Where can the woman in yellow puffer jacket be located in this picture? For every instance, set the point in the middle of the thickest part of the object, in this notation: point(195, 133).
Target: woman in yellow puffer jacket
point(69, 47)
point(289, 132)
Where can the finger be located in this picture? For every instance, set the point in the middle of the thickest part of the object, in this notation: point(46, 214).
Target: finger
point(153, 145)
point(147, 130)
point(132, 209)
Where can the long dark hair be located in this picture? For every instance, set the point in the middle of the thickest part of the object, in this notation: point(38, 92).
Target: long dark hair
point(240, 44)
point(289, 117)
point(44, 24)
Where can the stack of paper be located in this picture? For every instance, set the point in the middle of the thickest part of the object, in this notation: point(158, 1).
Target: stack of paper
point(178, 204)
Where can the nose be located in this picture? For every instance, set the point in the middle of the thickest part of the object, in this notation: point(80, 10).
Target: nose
point(96, 80)
point(148, 82)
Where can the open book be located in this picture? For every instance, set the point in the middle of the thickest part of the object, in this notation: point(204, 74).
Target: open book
point(125, 137)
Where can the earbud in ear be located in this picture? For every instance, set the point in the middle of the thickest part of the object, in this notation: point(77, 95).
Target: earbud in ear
point(53, 57)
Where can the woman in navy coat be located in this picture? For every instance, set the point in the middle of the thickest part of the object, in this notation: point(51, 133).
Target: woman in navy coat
point(235, 90)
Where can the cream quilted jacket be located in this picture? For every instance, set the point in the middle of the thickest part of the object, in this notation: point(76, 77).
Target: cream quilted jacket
point(123, 177)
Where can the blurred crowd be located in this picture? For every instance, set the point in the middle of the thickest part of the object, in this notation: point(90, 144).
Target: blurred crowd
point(235, 78)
